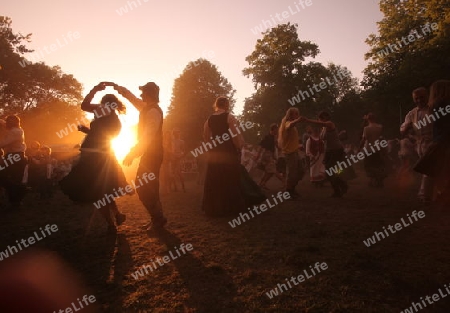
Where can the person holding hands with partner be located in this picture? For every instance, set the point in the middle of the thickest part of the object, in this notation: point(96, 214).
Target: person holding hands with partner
point(97, 172)
point(149, 148)
point(288, 140)
point(334, 151)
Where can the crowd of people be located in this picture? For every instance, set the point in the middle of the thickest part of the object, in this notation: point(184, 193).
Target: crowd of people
point(228, 188)
point(25, 168)
point(281, 154)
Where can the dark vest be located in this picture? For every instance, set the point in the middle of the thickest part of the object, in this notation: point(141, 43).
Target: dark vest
point(155, 150)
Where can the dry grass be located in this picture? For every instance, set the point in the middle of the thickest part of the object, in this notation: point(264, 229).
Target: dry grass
point(230, 270)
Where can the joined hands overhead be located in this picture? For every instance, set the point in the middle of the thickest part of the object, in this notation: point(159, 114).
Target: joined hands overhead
point(102, 86)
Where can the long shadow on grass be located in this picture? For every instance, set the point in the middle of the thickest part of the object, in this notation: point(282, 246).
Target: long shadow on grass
point(211, 289)
point(107, 267)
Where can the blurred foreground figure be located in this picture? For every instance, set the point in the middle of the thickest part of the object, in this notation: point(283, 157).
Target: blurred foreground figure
point(41, 283)
point(423, 136)
point(436, 160)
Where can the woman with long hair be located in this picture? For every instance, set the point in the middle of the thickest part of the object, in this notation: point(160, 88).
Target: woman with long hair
point(222, 191)
point(288, 140)
point(97, 176)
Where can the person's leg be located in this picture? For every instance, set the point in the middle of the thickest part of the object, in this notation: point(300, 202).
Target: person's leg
point(292, 168)
point(179, 174)
point(330, 160)
point(426, 186)
point(335, 184)
point(14, 187)
point(281, 178)
point(343, 185)
point(149, 191)
point(172, 180)
point(105, 211)
point(264, 179)
point(270, 169)
point(120, 217)
point(175, 170)
point(282, 171)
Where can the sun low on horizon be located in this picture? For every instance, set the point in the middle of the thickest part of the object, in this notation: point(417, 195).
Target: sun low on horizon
point(127, 137)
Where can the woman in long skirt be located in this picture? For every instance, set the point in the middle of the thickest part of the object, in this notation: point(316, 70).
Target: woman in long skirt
point(97, 176)
point(222, 192)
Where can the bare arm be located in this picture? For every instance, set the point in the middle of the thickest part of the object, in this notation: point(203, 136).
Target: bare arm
point(328, 124)
point(83, 129)
point(290, 124)
point(135, 101)
point(406, 124)
point(87, 104)
point(152, 122)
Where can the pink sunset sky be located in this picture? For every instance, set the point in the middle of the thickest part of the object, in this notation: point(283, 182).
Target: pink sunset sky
point(97, 40)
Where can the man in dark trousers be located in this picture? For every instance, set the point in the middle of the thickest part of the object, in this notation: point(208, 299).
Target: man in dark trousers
point(149, 148)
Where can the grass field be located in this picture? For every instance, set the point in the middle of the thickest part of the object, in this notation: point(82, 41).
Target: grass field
point(232, 269)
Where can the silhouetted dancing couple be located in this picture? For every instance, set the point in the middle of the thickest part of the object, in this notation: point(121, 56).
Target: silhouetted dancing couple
point(98, 174)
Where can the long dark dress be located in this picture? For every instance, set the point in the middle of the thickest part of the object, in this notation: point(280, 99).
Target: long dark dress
point(97, 172)
point(222, 191)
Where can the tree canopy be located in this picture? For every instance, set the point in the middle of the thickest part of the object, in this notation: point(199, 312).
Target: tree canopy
point(284, 74)
point(193, 96)
point(44, 97)
point(411, 50)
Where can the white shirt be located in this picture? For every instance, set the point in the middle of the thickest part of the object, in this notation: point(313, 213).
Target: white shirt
point(411, 119)
point(13, 141)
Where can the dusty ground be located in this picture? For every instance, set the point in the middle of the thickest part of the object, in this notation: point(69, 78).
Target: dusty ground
point(230, 270)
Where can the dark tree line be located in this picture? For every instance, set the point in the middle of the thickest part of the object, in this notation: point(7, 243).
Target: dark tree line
point(283, 71)
point(44, 97)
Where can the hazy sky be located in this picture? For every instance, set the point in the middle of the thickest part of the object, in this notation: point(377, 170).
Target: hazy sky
point(97, 41)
